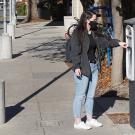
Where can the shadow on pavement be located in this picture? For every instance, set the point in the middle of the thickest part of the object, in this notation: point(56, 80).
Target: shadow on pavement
point(55, 23)
point(12, 111)
point(103, 103)
point(29, 33)
point(52, 23)
point(16, 55)
point(53, 50)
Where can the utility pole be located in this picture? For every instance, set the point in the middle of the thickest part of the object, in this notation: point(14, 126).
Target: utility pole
point(12, 24)
point(6, 40)
point(14, 12)
point(10, 10)
point(5, 16)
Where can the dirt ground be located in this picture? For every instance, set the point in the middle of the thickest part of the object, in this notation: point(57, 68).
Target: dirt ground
point(104, 83)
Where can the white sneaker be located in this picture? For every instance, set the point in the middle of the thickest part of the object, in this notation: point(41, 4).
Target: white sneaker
point(93, 123)
point(82, 125)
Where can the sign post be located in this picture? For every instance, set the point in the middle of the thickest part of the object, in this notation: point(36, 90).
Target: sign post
point(12, 23)
point(5, 16)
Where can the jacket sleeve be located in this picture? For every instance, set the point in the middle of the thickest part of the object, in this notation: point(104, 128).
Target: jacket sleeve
point(75, 50)
point(104, 41)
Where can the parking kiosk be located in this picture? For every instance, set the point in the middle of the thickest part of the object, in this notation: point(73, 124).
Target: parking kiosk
point(130, 66)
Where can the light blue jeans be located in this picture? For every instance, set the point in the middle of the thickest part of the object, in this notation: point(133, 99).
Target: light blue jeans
point(85, 91)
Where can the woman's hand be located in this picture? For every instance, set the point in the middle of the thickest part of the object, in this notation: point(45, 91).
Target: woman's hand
point(78, 72)
point(123, 44)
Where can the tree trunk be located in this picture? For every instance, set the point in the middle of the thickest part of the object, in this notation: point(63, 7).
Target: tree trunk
point(34, 9)
point(117, 74)
point(28, 16)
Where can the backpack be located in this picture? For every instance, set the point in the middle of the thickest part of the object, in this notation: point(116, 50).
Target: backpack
point(68, 44)
point(68, 51)
point(68, 60)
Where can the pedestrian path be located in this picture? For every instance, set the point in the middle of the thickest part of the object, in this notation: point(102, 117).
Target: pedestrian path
point(39, 88)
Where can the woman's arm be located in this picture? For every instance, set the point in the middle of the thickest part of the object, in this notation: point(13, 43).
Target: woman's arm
point(104, 41)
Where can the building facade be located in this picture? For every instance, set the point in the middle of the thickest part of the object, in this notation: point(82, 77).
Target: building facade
point(77, 8)
point(21, 0)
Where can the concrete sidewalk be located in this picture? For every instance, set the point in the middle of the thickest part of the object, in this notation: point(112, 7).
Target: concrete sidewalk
point(39, 88)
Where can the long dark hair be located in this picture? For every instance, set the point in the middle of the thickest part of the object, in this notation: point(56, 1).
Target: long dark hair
point(82, 27)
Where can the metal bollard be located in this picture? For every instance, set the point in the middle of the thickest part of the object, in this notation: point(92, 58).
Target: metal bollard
point(2, 102)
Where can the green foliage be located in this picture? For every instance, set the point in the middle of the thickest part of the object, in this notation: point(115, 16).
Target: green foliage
point(21, 9)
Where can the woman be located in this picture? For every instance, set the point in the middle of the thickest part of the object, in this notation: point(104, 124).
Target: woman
point(84, 43)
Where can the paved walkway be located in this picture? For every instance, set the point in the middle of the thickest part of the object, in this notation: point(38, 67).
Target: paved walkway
point(39, 88)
